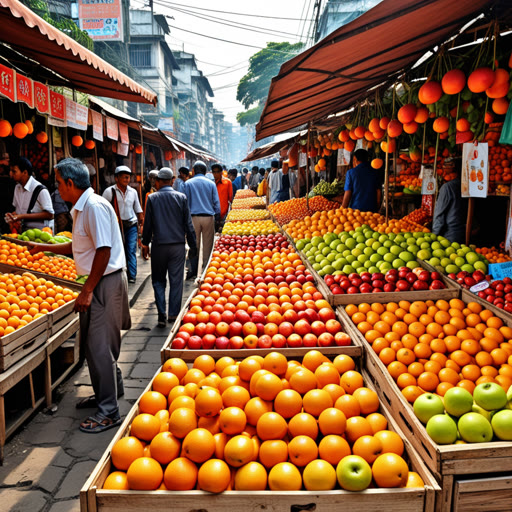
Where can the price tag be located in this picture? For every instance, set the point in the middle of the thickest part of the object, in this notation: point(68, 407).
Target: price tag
point(478, 287)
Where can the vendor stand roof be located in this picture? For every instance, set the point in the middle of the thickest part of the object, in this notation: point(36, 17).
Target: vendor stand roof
point(75, 66)
point(371, 50)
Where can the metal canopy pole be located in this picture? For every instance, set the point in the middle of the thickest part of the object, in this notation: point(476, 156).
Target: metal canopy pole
point(307, 166)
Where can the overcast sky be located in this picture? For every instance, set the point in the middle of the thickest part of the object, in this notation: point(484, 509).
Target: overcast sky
point(250, 24)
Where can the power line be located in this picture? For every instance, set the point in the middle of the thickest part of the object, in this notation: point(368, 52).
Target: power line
point(230, 23)
point(236, 13)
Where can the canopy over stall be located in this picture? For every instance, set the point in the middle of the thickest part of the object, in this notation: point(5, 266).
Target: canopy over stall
point(271, 148)
point(373, 49)
point(74, 66)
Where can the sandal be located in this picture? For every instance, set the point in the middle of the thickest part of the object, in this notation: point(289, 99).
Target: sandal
point(97, 424)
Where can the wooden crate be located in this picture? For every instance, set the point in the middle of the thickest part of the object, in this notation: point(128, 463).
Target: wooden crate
point(94, 499)
point(23, 341)
point(446, 462)
point(483, 494)
point(354, 350)
point(467, 296)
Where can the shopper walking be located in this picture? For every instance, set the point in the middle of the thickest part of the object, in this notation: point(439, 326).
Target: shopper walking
point(32, 201)
point(225, 191)
point(204, 207)
point(274, 181)
point(255, 179)
point(103, 302)
point(126, 204)
point(166, 225)
point(183, 176)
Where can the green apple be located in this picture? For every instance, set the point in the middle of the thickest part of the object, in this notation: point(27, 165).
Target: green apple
point(502, 424)
point(458, 401)
point(406, 256)
point(316, 240)
point(472, 257)
point(445, 262)
point(459, 261)
point(452, 269)
point(350, 243)
point(468, 268)
point(480, 265)
point(438, 253)
point(375, 258)
point(428, 405)
point(424, 254)
point(354, 473)
point(300, 244)
point(434, 261)
point(331, 256)
point(412, 264)
point(398, 263)
point(395, 250)
point(490, 396)
point(474, 428)
point(348, 269)
point(442, 429)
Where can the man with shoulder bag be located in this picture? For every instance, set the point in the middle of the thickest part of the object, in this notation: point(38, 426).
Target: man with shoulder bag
point(126, 204)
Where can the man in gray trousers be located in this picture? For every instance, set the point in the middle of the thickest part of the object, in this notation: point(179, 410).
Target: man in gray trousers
point(97, 248)
point(167, 222)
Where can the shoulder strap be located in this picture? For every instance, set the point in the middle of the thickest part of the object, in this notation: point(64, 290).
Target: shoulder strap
point(34, 197)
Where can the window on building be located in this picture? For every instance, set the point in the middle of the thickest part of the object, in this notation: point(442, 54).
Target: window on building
point(140, 55)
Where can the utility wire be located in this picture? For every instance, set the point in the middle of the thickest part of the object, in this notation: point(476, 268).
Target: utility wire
point(235, 13)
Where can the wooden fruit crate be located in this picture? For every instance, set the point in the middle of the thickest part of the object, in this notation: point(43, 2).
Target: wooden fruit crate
point(447, 462)
point(467, 296)
point(94, 499)
point(354, 350)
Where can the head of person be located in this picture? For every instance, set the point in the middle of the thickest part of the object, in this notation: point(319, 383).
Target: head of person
point(262, 171)
point(232, 174)
point(122, 175)
point(199, 168)
point(360, 156)
point(72, 178)
point(164, 178)
point(184, 173)
point(452, 165)
point(217, 172)
point(152, 176)
point(21, 169)
point(255, 170)
point(274, 165)
point(245, 171)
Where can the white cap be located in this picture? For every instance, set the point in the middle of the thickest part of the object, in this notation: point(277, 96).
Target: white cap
point(122, 168)
point(153, 173)
point(168, 169)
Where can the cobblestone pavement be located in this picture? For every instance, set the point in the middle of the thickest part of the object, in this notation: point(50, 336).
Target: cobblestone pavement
point(48, 460)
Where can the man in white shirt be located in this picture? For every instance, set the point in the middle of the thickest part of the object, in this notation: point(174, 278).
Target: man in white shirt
point(274, 181)
point(32, 201)
point(125, 201)
point(98, 252)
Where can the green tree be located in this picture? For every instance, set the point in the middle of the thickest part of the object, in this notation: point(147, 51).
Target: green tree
point(253, 87)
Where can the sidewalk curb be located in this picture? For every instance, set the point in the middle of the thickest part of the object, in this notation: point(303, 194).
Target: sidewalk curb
point(139, 290)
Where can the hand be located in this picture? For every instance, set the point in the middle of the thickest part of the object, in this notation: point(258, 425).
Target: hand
point(33, 248)
point(83, 301)
point(146, 252)
point(192, 252)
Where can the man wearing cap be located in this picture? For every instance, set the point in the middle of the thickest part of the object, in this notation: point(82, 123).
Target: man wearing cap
point(126, 204)
point(183, 175)
point(274, 181)
point(225, 191)
point(166, 225)
point(204, 205)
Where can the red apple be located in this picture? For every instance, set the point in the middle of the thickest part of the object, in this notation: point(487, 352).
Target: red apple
point(294, 340)
point(342, 339)
point(271, 329)
point(209, 341)
point(236, 342)
point(309, 340)
point(278, 341)
point(195, 342)
point(242, 316)
point(318, 328)
point(178, 343)
point(286, 328)
point(215, 317)
point(291, 316)
point(222, 343)
point(200, 329)
point(189, 328)
point(265, 341)
point(228, 317)
point(258, 317)
point(326, 314)
point(235, 329)
point(312, 315)
point(326, 339)
point(190, 318)
point(333, 326)
point(302, 327)
point(210, 328)
point(183, 335)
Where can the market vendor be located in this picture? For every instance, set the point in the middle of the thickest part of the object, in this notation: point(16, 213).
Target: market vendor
point(32, 201)
point(450, 211)
point(362, 185)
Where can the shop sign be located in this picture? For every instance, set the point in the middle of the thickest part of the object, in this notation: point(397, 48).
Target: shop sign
point(501, 270)
point(123, 133)
point(112, 128)
point(41, 97)
point(53, 121)
point(101, 19)
point(7, 82)
point(24, 90)
point(122, 149)
point(97, 125)
point(428, 180)
point(57, 105)
point(82, 116)
point(475, 169)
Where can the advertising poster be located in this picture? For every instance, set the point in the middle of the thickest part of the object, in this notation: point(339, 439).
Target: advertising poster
point(41, 97)
point(101, 19)
point(428, 180)
point(475, 169)
point(112, 128)
point(24, 90)
point(123, 133)
point(97, 125)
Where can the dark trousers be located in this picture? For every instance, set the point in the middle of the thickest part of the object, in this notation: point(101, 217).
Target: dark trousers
point(168, 260)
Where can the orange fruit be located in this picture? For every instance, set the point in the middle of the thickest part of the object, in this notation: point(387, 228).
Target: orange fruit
point(125, 451)
point(316, 401)
point(235, 396)
point(214, 476)
point(357, 426)
point(343, 363)
point(391, 442)
point(232, 420)
point(377, 421)
point(276, 363)
point(284, 477)
point(145, 427)
point(414, 480)
point(177, 366)
point(182, 421)
point(351, 380)
point(255, 408)
point(368, 447)
point(368, 400)
point(288, 403)
point(117, 480)
point(151, 402)
point(208, 403)
point(144, 474)
point(303, 424)
point(302, 450)
point(251, 477)
point(390, 470)
point(239, 450)
point(205, 363)
point(332, 421)
point(164, 382)
point(333, 448)
point(268, 386)
point(303, 381)
point(349, 405)
point(165, 447)
point(271, 425)
point(273, 452)
point(198, 445)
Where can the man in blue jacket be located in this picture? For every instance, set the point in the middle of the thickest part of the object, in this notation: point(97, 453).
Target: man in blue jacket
point(167, 223)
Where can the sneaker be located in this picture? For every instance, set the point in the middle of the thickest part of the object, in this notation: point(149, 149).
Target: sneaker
point(161, 321)
point(131, 280)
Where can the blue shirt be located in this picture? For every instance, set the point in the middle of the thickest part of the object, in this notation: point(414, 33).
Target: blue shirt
point(202, 196)
point(237, 183)
point(178, 185)
point(363, 181)
point(167, 219)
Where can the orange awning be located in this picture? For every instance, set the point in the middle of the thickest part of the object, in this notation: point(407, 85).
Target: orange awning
point(30, 35)
point(340, 69)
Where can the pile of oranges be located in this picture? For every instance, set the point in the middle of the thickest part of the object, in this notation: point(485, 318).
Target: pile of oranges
point(297, 208)
point(493, 255)
point(17, 255)
point(256, 424)
point(249, 202)
point(243, 215)
point(243, 194)
point(434, 346)
point(23, 298)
